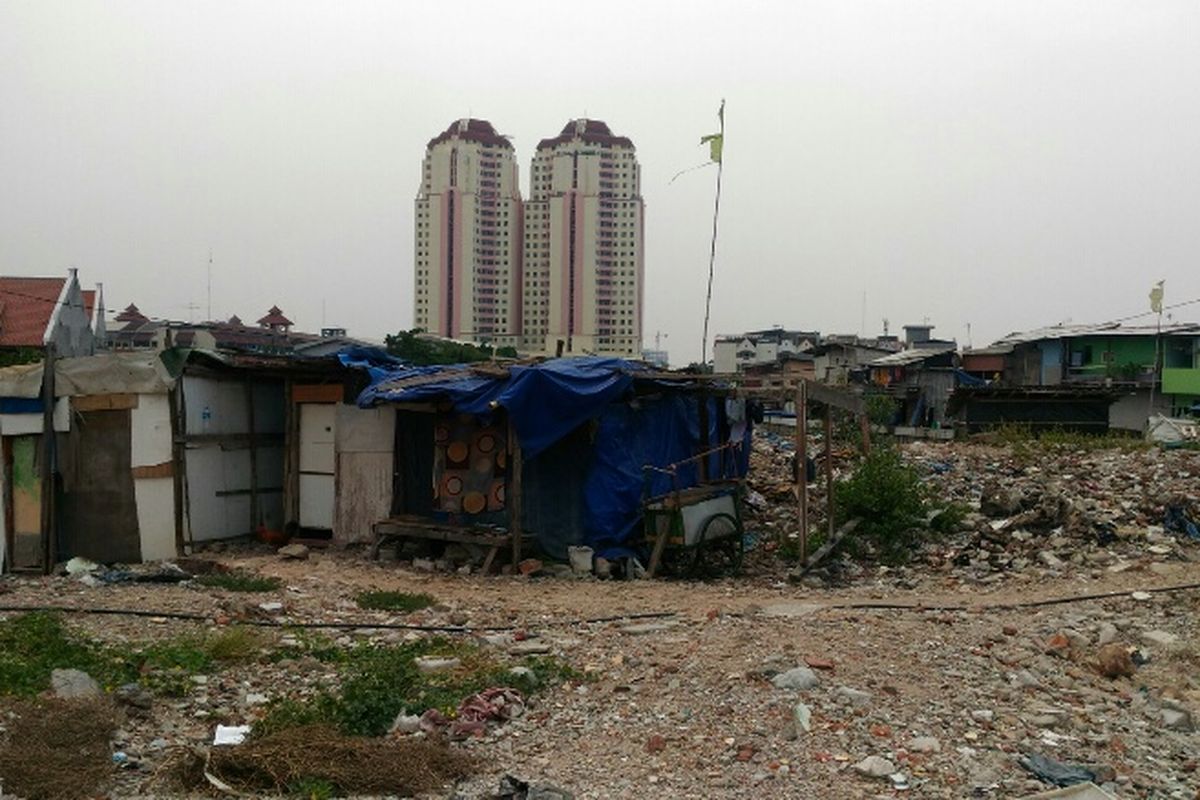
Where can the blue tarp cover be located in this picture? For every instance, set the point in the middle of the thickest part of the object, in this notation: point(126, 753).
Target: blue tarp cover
point(546, 402)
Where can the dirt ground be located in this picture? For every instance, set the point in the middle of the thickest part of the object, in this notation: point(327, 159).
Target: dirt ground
point(682, 705)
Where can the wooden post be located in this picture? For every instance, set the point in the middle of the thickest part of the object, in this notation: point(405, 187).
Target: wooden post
point(253, 455)
point(46, 468)
point(864, 425)
point(829, 466)
point(513, 492)
point(802, 466)
point(178, 457)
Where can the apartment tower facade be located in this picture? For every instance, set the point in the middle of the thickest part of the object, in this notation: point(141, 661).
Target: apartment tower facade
point(469, 235)
point(584, 259)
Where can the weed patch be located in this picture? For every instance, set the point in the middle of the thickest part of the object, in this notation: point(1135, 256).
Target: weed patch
point(377, 683)
point(239, 582)
point(394, 601)
point(236, 644)
point(33, 645)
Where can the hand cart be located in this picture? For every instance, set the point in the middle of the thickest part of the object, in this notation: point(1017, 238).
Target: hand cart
point(695, 532)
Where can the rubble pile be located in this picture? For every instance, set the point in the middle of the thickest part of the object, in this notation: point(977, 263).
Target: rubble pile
point(1064, 510)
point(1051, 510)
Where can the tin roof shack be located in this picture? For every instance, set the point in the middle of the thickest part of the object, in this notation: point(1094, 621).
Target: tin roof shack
point(560, 445)
point(920, 379)
point(785, 370)
point(1118, 356)
point(158, 452)
point(838, 361)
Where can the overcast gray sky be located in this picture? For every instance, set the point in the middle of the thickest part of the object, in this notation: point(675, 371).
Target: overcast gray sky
point(1006, 165)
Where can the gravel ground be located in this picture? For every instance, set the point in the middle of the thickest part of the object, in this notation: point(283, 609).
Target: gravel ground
point(951, 690)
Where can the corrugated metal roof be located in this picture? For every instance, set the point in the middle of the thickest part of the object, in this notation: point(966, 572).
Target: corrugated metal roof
point(1103, 329)
point(906, 357)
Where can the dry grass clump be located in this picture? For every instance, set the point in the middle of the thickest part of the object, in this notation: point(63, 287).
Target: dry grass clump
point(319, 754)
point(56, 749)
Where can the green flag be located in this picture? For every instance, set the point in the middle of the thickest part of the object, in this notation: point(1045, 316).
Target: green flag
point(715, 142)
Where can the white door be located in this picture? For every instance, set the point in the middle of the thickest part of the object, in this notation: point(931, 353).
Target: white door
point(316, 465)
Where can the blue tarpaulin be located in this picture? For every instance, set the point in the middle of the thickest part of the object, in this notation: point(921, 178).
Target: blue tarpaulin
point(546, 402)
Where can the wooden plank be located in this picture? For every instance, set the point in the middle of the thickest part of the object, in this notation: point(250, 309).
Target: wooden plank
point(513, 493)
point(820, 393)
point(235, 441)
point(440, 533)
point(104, 402)
point(490, 560)
point(174, 397)
point(163, 470)
point(254, 519)
point(46, 476)
point(825, 549)
point(829, 467)
point(244, 492)
point(291, 458)
point(317, 393)
point(802, 465)
point(660, 544)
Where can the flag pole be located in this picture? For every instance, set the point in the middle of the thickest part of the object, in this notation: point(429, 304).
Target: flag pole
point(712, 254)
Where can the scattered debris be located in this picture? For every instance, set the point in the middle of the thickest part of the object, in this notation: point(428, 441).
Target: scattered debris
point(295, 551)
point(1056, 772)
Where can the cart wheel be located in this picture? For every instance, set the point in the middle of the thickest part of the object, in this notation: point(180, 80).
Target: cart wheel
point(718, 550)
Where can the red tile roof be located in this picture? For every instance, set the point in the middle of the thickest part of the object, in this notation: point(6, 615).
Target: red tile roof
point(25, 308)
point(131, 314)
point(274, 317)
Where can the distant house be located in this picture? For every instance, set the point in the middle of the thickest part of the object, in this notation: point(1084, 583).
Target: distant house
point(37, 312)
point(271, 335)
point(734, 353)
point(838, 359)
point(1118, 358)
point(920, 377)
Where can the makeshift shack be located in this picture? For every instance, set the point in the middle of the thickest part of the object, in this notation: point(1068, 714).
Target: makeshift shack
point(561, 446)
point(154, 453)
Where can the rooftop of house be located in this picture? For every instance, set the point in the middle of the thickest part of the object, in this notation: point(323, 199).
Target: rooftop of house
point(1102, 329)
point(274, 317)
point(26, 305)
point(913, 355)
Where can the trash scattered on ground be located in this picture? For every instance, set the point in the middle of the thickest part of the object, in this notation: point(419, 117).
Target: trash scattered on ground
point(230, 734)
point(1056, 772)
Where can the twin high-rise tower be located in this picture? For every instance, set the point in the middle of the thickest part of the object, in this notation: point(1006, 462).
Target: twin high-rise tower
point(560, 272)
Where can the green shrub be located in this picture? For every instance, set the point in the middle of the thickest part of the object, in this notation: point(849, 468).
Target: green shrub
point(394, 601)
point(239, 582)
point(894, 507)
